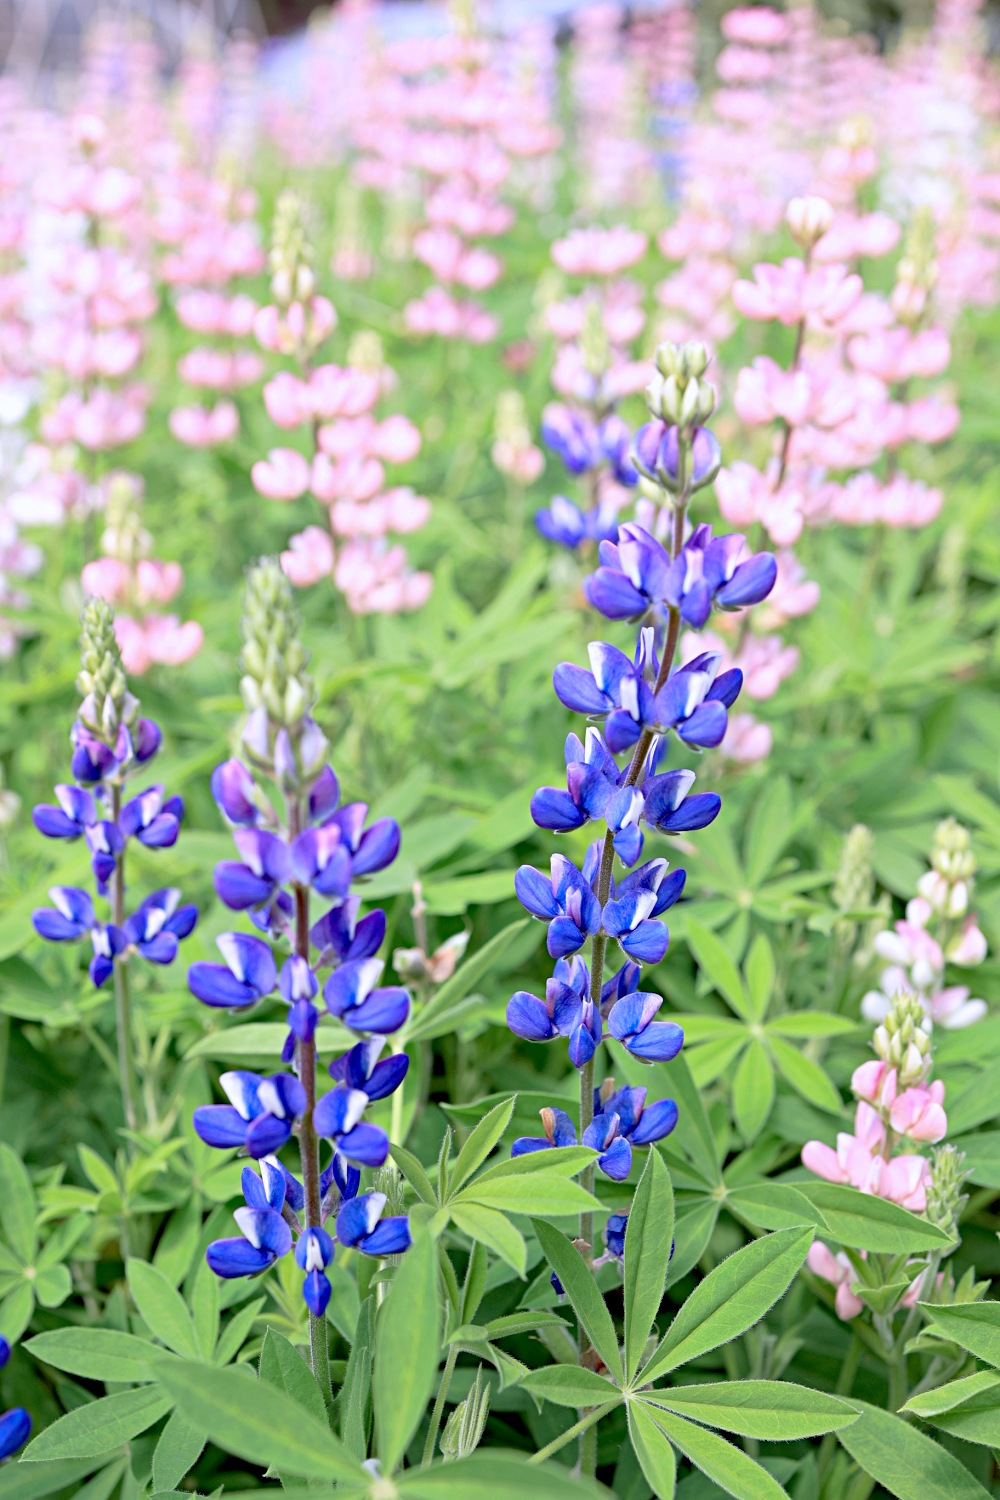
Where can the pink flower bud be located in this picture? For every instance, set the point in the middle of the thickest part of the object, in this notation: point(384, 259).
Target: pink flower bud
point(283, 475)
point(918, 1113)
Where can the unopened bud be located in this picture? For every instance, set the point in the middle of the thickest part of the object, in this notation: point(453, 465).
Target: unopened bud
point(945, 1199)
point(903, 1040)
point(107, 702)
point(852, 889)
point(467, 1422)
point(808, 219)
point(273, 663)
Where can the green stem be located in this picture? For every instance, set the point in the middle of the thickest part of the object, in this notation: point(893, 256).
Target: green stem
point(587, 1175)
point(845, 1383)
point(123, 1010)
point(594, 1415)
point(439, 1405)
point(588, 1451)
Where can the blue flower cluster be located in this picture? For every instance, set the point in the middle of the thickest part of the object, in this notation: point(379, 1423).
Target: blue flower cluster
point(587, 445)
point(316, 966)
point(638, 701)
point(110, 744)
point(15, 1425)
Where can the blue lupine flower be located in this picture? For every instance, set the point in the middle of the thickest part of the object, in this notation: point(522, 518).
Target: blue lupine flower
point(670, 806)
point(152, 819)
point(234, 790)
point(72, 916)
point(560, 1131)
point(655, 452)
point(351, 995)
point(565, 523)
point(360, 1226)
point(158, 924)
point(266, 865)
point(693, 700)
point(360, 1069)
point(630, 1021)
point(298, 985)
point(614, 1235)
point(266, 1234)
point(622, 1121)
point(371, 848)
point(616, 442)
point(76, 812)
point(260, 1114)
point(564, 899)
point(94, 761)
point(248, 974)
point(567, 1010)
point(338, 1118)
point(635, 902)
point(572, 436)
point(313, 1254)
point(321, 859)
point(339, 935)
point(637, 575)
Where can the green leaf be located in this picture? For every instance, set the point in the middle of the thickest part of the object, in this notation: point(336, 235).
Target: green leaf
point(205, 1306)
point(570, 1385)
point(772, 1205)
point(566, 1160)
point(32, 1481)
point(906, 1462)
point(255, 1421)
point(475, 1282)
point(494, 1229)
point(480, 1143)
point(972, 1325)
point(718, 966)
point(177, 1450)
point(94, 1353)
point(496, 1475)
point(454, 990)
point(282, 1366)
point(799, 1026)
point(162, 1308)
point(581, 1289)
point(53, 1286)
point(863, 1222)
point(693, 1226)
point(692, 1133)
point(654, 1452)
point(775, 1411)
point(759, 970)
point(355, 1393)
point(92, 1430)
point(407, 1346)
point(805, 1076)
point(967, 1408)
point(531, 1193)
point(753, 1090)
point(648, 1238)
point(236, 1332)
point(731, 1299)
point(414, 1173)
point(727, 1466)
point(769, 827)
point(17, 1205)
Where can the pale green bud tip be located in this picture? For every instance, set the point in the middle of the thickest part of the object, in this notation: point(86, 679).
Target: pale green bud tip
point(903, 1040)
point(467, 1422)
point(101, 681)
point(852, 888)
point(945, 1199)
point(273, 662)
point(365, 351)
point(291, 257)
point(387, 1180)
point(686, 361)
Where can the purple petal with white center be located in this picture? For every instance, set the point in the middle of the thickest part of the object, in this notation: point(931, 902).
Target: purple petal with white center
point(529, 1018)
point(366, 1144)
point(576, 689)
point(254, 1190)
point(631, 1013)
point(265, 1229)
point(297, 980)
point(232, 788)
point(563, 522)
point(752, 582)
point(351, 821)
point(220, 1125)
point(335, 875)
point(645, 447)
point(282, 1095)
point(339, 1111)
point(240, 1088)
point(378, 847)
point(614, 596)
point(54, 823)
point(294, 1192)
point(355, 1067)
point(534, 891)
point(238, 887)
point(582, 1044)
point(705, 727)
point(348, 986)
point(616, 1161)
point(657, 1121)
point(314, 1250)
point(706, 457)
point(357, 1217)
point(250, 959)
point(391, 1236)
point(385, 1011)
point(659, 1042)
point(56, 928)
point(324, 794)
point(646, 943)
point(266, 1135)
point(234, 1257)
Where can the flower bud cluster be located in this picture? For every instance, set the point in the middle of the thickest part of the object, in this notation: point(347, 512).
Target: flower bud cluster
point(677, 393)
point(107, 703)
point(808, 219)
point(949, 883)
point(291, 258)
point(903, 1040)
point(853, 887)
point(945, 1199)
point(319, 848)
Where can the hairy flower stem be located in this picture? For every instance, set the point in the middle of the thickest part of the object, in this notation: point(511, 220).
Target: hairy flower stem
point(439, 1405)
point(123, 1010)
point(592, 1416)
point(305, 1067)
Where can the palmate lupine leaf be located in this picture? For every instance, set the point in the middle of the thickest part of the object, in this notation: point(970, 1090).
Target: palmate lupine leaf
point(906, 1462)
point(407, 1350)
point(648, 1242)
